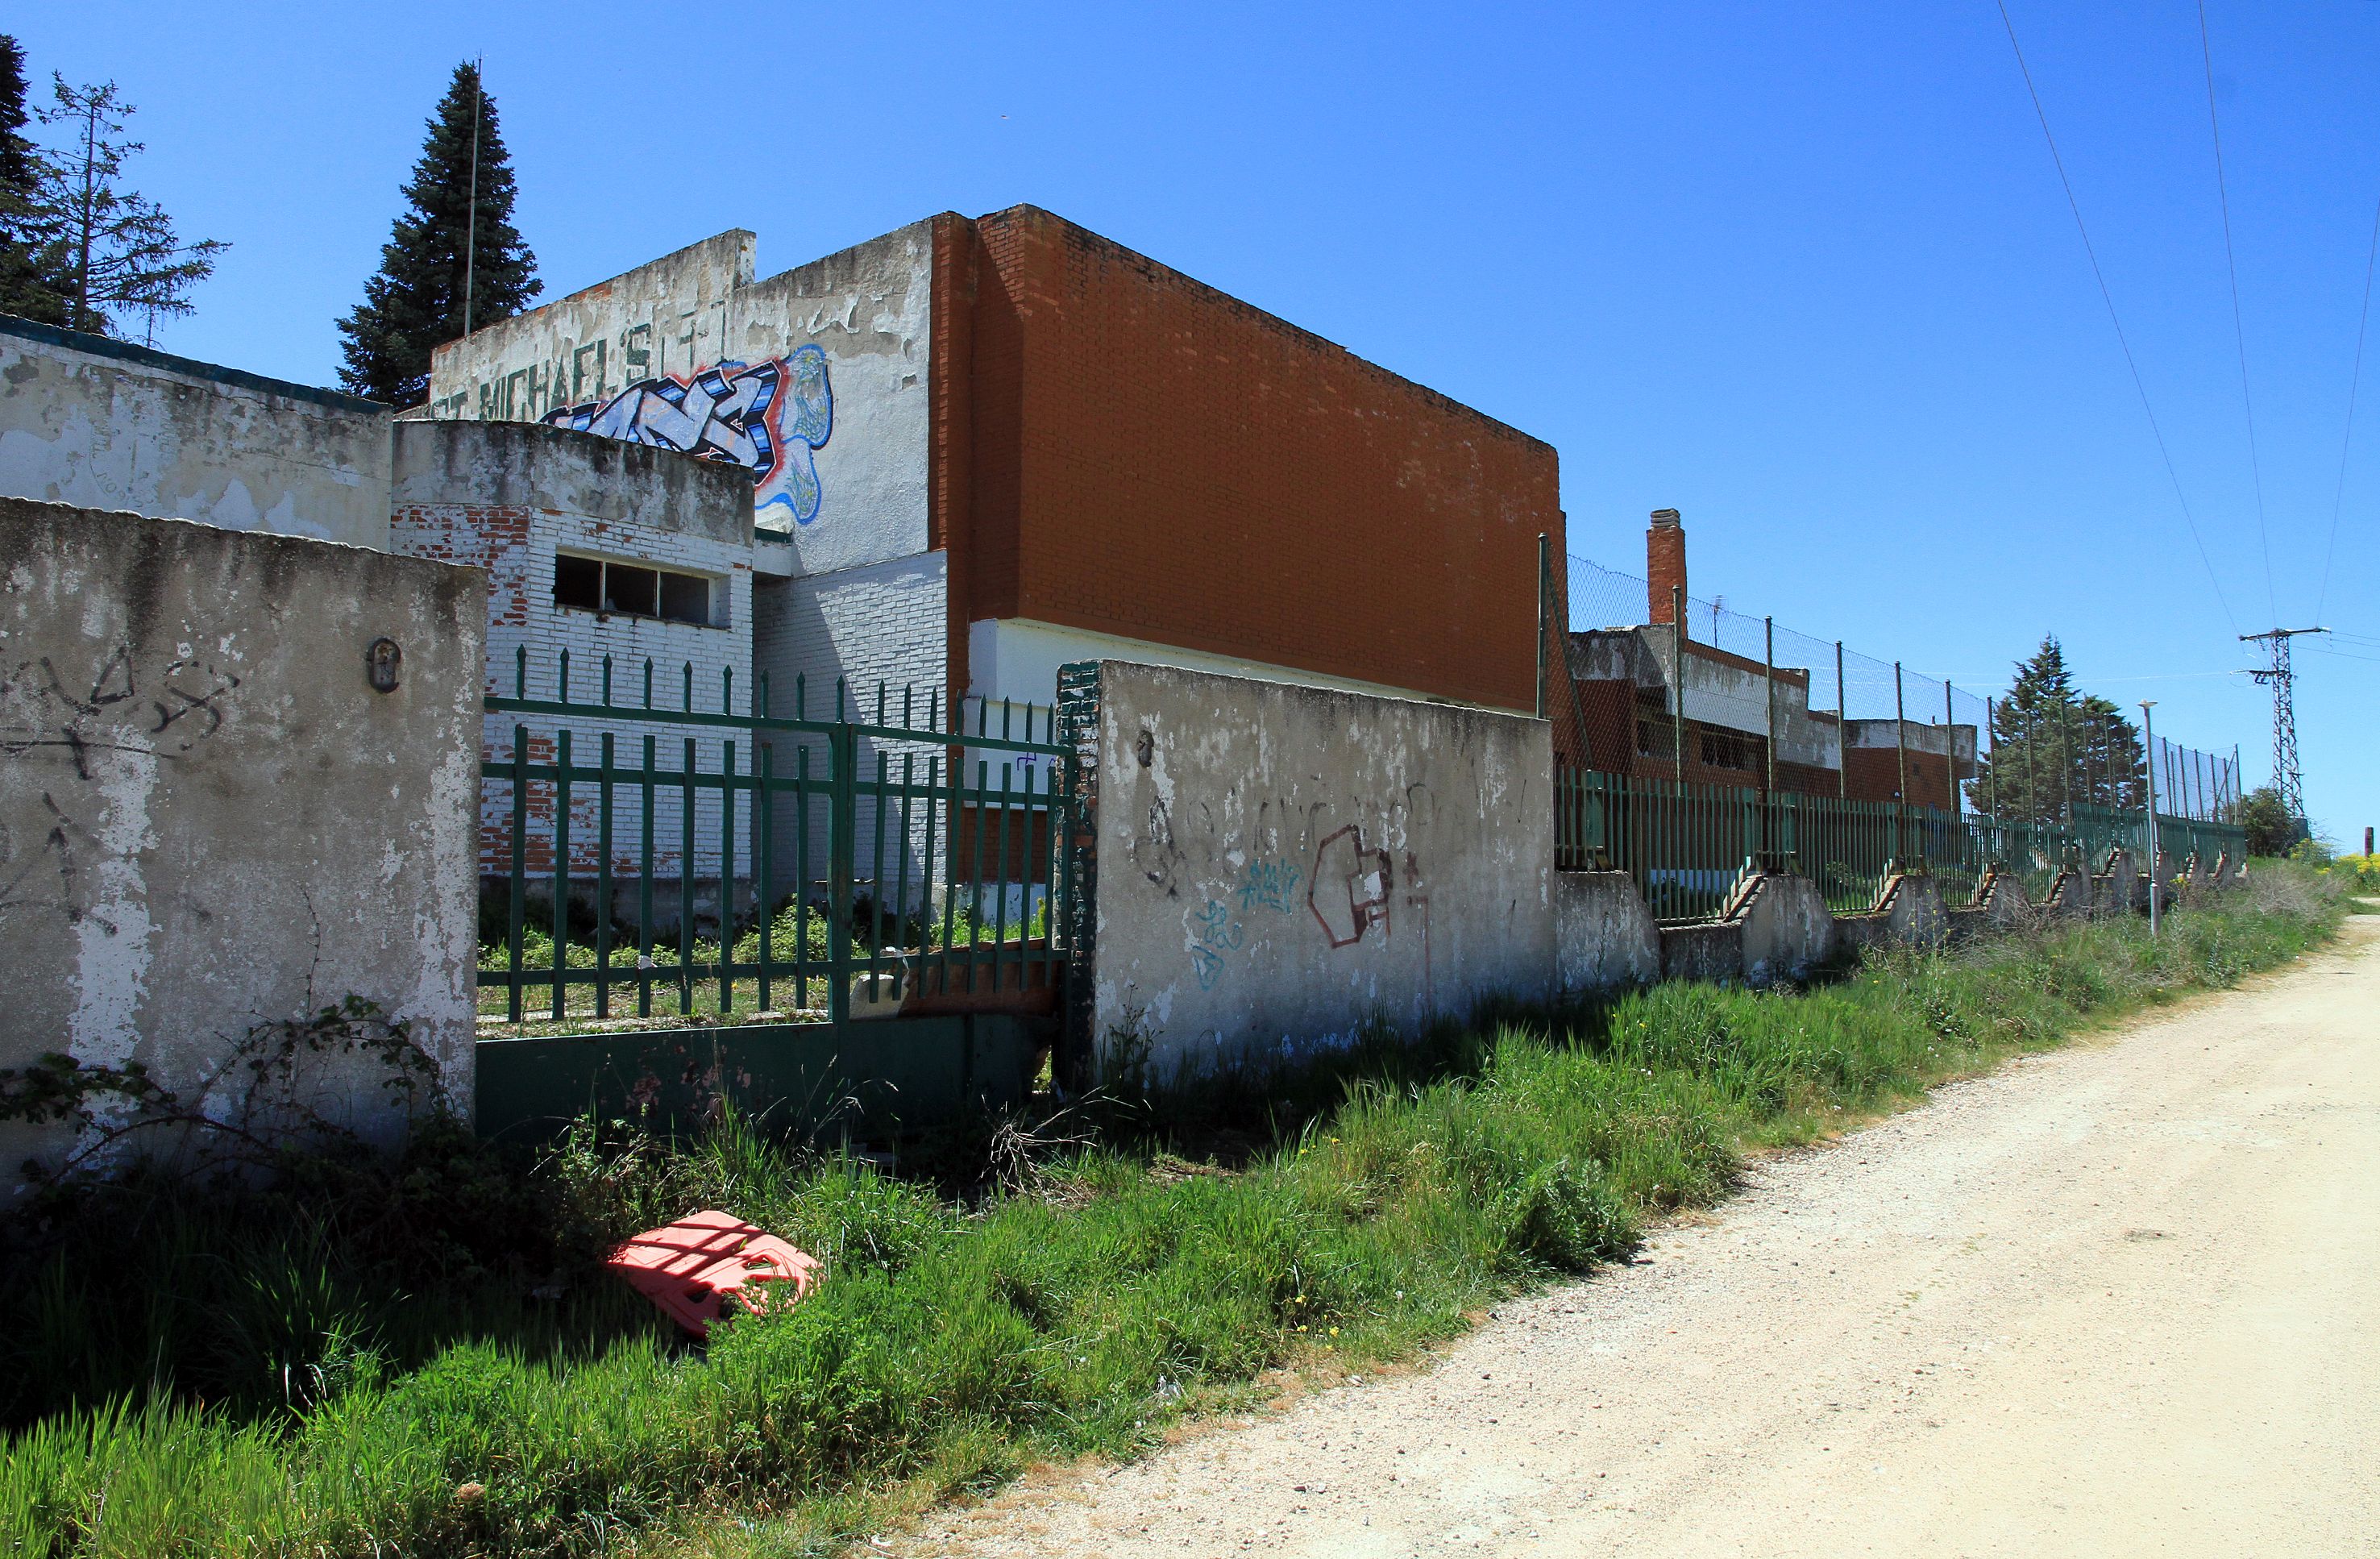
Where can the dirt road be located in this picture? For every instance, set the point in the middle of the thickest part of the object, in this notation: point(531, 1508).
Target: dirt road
point(2122, 1299)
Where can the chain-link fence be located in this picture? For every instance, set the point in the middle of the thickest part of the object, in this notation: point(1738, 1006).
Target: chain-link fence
point(2060, 755)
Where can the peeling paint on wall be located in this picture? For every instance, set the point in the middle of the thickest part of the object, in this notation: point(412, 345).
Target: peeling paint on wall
point(1280, 865)
point(210, 818)
point(105, 426)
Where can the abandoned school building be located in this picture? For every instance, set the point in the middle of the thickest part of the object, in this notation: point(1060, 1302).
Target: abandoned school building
point(1711, 718)
point(254, 635)
point(948, 460)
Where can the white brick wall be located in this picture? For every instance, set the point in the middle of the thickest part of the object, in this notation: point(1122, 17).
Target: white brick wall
point(517, 547)
point(887, 623)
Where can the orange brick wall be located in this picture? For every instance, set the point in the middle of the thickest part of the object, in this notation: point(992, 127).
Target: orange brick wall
point(1146, 456)
point(1874, 773)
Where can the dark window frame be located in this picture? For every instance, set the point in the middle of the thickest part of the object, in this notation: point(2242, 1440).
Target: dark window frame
point(658, 589)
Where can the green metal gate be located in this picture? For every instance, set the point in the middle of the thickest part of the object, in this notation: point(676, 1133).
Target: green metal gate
point(666, 858)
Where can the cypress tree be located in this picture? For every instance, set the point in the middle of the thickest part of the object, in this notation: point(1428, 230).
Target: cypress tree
point(414, 302)
point(29, 286)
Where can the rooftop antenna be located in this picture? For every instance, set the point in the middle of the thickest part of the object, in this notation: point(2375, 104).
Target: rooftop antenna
point(2275, 675)
point(471, 216)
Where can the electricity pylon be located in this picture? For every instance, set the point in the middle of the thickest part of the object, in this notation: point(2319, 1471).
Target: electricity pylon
point(2279, 678)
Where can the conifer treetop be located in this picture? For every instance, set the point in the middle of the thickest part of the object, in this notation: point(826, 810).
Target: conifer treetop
point(415, 302)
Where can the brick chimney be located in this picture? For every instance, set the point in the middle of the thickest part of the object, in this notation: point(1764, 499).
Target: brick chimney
point(1665, 563)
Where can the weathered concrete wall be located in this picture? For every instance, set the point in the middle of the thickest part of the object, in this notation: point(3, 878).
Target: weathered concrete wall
point(2003, 900)
point(1279, 865)
point(1712, 952)
point(1604, 937)
point(209, 819)
point(812, 382)
point(1912, 910)
point(102, 425)
point(1788, 930)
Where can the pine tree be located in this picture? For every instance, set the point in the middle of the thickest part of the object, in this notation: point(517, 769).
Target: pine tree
point(28, 284)
point(414, 302)
point(118, 256)
point(2053, 748)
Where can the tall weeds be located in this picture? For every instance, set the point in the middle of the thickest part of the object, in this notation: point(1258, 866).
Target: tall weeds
point(499, 1399)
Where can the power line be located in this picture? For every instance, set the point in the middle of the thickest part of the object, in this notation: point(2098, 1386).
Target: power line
point(2108, 298)
point(2347, 441)
point(2238, 330)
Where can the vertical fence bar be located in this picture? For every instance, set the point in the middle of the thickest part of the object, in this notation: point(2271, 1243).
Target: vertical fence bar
point(1901, 795)
point(975, 882)
point(645, 870)
point(876, 863)
point(948, 801)
point(802, 971)
point(561, 871)
point(2066, 760)
point(1678, 693)
point(1000, 910)
point(1842, 731)
point(1992, 775)
point(603, 865)
point(726, 876)
point(686, 870)
point(902, 919)
point(843, 808)
point(516, 908)
point(1768, 697)
point(1950, 747)
point(764, 853)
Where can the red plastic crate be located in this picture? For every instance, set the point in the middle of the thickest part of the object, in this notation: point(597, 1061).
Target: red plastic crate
point(691, 1267)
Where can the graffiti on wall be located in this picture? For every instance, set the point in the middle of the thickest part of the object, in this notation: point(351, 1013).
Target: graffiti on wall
point(769, 417)
point(91, 756)
point(1350, 889)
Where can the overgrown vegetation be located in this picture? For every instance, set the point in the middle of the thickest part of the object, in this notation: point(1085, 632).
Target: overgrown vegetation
point(365, 1358)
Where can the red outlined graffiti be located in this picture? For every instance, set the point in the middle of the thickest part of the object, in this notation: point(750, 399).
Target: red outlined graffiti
point(1349, 891)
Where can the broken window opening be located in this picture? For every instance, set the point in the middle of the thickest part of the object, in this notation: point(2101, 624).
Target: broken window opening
point(632, 590)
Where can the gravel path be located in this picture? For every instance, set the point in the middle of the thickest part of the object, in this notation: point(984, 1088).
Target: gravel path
point(2121, 1300)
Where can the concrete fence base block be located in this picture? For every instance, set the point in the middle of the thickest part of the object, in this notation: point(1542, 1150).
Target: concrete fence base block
point(2072, 892)
point(1913, 910)
point(2002, 899)
point(1856, 933)
point(1604, 937)
point(1712, 952)
point(1787, 929)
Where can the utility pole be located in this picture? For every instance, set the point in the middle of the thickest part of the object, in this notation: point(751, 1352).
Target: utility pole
point(2148, 740)
point(2276, 674)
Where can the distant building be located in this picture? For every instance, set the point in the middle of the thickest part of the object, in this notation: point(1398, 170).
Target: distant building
point(1631, 681)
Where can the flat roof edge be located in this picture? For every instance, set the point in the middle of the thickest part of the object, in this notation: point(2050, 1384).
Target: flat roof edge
point(149, 357)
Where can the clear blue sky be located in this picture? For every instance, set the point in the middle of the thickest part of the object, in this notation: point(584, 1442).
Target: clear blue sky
point(1805, 273)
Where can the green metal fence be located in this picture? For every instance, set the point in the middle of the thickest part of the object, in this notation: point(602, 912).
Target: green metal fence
point(1688, 844)
point(706, 861)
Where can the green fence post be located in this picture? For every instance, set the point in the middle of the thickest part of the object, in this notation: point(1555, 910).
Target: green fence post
point(842, 821)
point(517, 906)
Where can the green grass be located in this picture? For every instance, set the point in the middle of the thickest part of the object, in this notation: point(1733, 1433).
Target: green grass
point(254, 1384)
